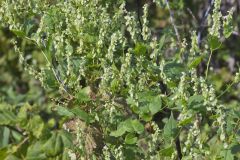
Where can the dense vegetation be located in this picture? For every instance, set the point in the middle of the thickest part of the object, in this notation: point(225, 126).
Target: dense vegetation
point(119, 79)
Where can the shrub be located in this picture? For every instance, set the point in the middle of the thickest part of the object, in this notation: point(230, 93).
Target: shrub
point(118, 89)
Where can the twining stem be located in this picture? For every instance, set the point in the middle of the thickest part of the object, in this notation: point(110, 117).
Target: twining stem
point(50, 65)
point(227, 89)
point(208, 63)
point(21, 143)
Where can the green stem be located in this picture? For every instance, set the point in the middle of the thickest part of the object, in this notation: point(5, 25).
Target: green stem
point(50, 65)
point(208, 63)
point(227, 89)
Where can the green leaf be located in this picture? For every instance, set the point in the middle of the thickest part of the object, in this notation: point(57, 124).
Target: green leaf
point(214, 42)
point(7, 117)
point(3, 153)
point(127, 125)
point(140, 49)
point(36, 126)
point(195, 62)
point(167, 152)
point(118, 132)
point(89, 38)
point(66, 139)
point(131, 101)
point(138, 126)
point(146, 96)
point(121, 129)
point(54, 145)
point(17, 136)
point(59, 146)
point(50, 79)
point(35, 152)
point(186, 121)
point(227, 27)
point(19, 33)
point(156, 105)
point(162, 41)
point(149, 103)
point(130, 138)
point(227, 30)
point(114, 85)
point(196, 103)
point(84, 95)
point(235, 149)
point(170, 129)
point(65, 155)
point(4, 141)
point(174, 70)
point(63, 111)
point(48, 50)
point(146, 117)
point(81, 114)
point(23, 114)
point(227, 155)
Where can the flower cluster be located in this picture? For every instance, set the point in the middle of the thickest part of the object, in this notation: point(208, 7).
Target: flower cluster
point(135, 77)
point(216, 19)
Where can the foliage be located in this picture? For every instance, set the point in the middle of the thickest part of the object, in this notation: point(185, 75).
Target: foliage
point(111, 86)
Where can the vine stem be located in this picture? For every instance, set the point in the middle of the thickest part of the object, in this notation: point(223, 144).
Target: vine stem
point(227, 89)
point(50, 65)
point(208, 63)
point(21, 143)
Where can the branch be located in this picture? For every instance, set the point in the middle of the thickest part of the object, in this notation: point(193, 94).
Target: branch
point(172, 21)
point(191, 13)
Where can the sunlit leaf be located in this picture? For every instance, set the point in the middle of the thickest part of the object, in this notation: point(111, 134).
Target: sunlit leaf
point(195, 62)
point(130, 138)
point(156, 105)
point(138, 126)
point(214, 42)
point(19, 33)
point(167, 152)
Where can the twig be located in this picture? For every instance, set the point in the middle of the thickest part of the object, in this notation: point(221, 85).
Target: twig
point(201, 28)
point(21, 143)
point(172, 21)
point(191, 13)
point(208, 63)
